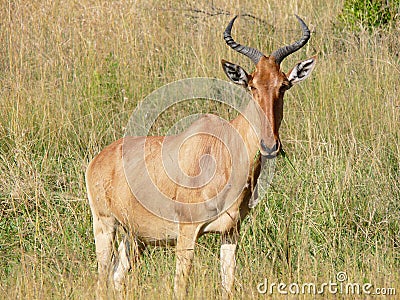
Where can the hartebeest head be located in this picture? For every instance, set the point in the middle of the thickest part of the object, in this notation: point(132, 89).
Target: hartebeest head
point(268, 83)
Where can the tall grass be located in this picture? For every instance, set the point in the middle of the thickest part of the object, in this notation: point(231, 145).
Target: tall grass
point(71, 72)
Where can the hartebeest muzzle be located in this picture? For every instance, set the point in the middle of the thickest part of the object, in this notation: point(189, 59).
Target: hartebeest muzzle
point(270, 152)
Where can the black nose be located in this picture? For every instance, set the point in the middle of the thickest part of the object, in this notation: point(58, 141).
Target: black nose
point(270, 152)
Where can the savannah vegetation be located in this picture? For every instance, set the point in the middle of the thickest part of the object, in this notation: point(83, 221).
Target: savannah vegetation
point(72, 72)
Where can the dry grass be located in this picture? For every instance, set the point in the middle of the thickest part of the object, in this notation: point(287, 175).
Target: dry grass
point(71, 72)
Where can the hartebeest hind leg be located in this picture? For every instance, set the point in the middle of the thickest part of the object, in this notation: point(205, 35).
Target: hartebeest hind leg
point(122, 264)
point(228, 262)
point(129, 251)
point(184, 257)
point(104, 229)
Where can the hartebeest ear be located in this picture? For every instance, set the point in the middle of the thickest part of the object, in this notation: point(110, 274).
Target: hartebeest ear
point(302, 70)
point(235, 73)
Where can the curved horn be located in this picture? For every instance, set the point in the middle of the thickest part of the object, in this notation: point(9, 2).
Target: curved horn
point(283, 52)
point(251, 53)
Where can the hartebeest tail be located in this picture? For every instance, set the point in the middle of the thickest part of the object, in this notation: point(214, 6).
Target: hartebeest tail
point(222, 161)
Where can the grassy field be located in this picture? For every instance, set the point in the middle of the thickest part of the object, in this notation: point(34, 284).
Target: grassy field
point(72, 72)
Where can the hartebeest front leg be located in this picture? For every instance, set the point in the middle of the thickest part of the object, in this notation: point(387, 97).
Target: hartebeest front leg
point(184, 256)
point(228, 262)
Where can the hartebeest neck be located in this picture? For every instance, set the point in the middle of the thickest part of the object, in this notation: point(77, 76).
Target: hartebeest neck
point(249, 124)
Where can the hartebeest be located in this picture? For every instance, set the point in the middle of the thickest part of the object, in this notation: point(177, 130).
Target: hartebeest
point(112, 173)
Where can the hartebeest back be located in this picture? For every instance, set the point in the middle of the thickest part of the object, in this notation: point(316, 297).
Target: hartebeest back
point(113, 203)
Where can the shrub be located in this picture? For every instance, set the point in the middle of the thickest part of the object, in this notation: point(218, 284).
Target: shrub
point(369, 14)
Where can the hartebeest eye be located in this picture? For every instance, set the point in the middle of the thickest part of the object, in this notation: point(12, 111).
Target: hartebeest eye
point(285, 86)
